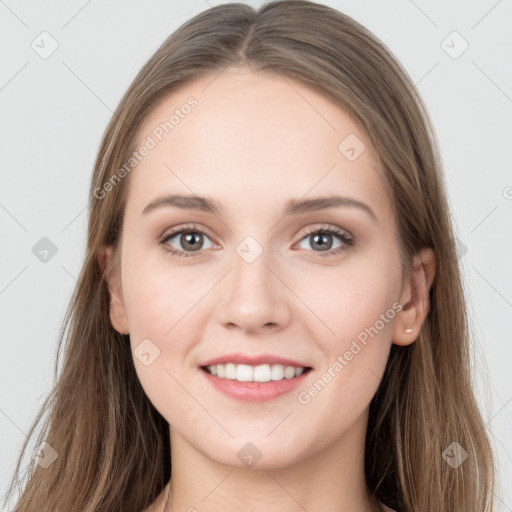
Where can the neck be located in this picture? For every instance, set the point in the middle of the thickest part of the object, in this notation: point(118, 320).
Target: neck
point(330, 479)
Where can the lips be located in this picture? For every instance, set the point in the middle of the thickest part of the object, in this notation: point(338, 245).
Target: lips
point(254, 360)
point(254, 391)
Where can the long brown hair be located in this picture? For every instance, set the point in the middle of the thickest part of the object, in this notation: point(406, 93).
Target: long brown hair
point(112, 444)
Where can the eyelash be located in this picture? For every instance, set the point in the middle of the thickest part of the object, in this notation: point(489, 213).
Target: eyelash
point(347, 240)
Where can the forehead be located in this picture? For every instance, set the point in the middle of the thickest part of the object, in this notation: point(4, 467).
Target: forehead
point(253, 138)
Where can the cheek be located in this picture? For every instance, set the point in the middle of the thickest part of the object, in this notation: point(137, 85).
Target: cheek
point(166, 305)
point(160, 304)
point(360, 308)
point(157, 294)
point(353, 298)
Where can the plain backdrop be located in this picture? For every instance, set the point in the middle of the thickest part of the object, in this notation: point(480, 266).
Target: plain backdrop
point(55, 107)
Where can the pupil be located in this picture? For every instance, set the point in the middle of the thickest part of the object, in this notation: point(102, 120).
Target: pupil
point(316, 237)
point(186, 240)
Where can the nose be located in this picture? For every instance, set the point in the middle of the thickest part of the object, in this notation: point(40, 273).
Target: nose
point(253, 296)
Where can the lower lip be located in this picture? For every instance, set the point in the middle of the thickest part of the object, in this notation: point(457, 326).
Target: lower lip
point(254, 391)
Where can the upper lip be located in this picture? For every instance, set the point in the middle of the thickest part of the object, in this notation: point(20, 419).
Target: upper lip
point(253, 360)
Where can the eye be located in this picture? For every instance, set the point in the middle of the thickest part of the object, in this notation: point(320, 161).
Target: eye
point(323, 238)
point(191, 239)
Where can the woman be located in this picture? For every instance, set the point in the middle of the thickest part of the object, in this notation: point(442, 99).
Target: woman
point(270, 313)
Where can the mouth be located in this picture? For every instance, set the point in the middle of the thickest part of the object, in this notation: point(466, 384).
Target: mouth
point(259, 374)
point(260, 384)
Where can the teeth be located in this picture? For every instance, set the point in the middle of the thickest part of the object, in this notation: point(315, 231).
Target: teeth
point(248, 373)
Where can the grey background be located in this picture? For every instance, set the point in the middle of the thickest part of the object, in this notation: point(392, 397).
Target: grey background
point(53, 112)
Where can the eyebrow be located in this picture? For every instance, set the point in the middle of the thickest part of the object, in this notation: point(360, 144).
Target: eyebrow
point(292, 207)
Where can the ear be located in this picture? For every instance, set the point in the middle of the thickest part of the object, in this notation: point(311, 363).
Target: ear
point(111, 269)
point(415, 298)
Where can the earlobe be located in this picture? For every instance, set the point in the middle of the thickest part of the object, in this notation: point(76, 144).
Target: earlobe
point(415, 298)
point(110, 269)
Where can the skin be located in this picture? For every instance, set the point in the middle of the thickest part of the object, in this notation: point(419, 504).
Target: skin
point(253, 142)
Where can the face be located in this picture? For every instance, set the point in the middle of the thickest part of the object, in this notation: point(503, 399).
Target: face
point(321, 287)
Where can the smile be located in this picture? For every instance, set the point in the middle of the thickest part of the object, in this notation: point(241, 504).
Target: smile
point(249, 373)
point(254, 383)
